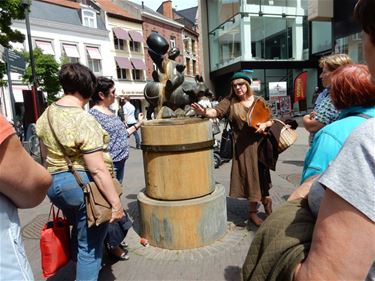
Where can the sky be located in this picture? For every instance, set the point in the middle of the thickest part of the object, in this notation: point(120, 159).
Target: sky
point(181, 4)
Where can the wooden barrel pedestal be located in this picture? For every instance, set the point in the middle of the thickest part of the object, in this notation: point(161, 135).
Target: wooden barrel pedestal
point(178, 158)
point(181, 208)
point(184, 224)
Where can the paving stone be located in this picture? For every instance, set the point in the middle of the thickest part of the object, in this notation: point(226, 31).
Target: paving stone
point(222, 260)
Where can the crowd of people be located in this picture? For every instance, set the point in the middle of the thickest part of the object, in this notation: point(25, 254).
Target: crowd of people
point(326, 229)
point(323, 232)
point(96, 142)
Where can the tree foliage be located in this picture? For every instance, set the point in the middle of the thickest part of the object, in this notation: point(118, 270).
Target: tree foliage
point(46, 68)
point(9, 10)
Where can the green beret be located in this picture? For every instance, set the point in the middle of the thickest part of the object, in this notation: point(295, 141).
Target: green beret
point(240, 75)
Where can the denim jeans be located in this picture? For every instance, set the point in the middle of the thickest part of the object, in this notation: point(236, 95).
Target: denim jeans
point(117, 231)
point(119, 169)
point(87, 243)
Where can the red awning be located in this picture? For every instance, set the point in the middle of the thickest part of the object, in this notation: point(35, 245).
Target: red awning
point(138, 63)
point(94, 53)
point(71, 51)
point(123, 63)
point(136, 36)
point(121, 33)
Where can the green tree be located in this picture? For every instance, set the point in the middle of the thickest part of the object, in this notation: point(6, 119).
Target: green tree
point(9, 10)
point(46, 68)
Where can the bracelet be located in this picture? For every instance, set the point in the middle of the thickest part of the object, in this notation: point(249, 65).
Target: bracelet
point(205, 112)
point(135, 126)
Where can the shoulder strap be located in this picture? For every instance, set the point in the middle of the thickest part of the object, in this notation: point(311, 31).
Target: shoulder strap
point(363, 115)
point(226, 123)
point(67, 159)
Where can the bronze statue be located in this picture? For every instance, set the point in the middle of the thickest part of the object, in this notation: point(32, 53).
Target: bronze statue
point(169, 95)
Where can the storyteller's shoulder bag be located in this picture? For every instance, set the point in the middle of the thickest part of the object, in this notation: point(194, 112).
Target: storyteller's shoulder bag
point(259, 113)
point(98, 209)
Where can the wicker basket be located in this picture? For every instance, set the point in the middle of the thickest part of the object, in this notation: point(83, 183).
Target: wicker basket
point(288, 136)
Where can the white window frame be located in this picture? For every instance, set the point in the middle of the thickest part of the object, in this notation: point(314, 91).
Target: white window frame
point(120, 73)
point(117, 43)
point(140, 74)
point(94, 64)
point(47, 42)
point(70, 59)
point(186, 44)
point(172, 42)
point(188, 69)
point(135, 46)
point(193, 50)
point(89, 18)
point(194, 62)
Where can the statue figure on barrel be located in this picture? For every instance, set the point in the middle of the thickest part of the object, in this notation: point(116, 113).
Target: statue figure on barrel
point(169, 95)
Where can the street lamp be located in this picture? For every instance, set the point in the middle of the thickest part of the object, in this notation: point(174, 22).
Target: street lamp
point(26, 6)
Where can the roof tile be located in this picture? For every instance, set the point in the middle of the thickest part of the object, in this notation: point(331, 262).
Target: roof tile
point(64, 3)
point(112, 8)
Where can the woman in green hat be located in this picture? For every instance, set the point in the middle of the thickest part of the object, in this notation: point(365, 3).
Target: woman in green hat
point(249, 178)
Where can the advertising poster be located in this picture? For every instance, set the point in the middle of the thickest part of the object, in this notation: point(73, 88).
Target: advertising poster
point(277, 89)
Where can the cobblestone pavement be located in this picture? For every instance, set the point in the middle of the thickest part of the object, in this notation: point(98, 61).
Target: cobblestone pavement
point(221, 260)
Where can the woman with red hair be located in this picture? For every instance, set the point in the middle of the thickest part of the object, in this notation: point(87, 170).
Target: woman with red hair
point(353, 93)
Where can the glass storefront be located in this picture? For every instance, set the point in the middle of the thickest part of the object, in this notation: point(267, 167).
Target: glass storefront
point(257, 30)
point(351, 45)
point(321, 36)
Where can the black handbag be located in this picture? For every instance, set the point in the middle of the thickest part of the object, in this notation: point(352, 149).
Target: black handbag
point(226, 143)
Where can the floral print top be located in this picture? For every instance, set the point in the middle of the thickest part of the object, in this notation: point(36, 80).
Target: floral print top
point(118, 145)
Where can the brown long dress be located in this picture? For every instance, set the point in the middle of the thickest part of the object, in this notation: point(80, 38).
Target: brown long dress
point(248, 179)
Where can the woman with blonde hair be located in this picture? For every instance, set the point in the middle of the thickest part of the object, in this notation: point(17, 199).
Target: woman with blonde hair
point(249, 178)
point(325, 112)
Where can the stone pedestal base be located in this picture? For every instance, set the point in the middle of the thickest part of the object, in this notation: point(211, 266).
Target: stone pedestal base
point(184, 224)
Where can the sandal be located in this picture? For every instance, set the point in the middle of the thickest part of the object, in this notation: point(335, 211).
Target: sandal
point(118, 253)
point(253, 217)
point(267, 204)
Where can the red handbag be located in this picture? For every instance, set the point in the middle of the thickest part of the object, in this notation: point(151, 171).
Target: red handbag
point(54, 243)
